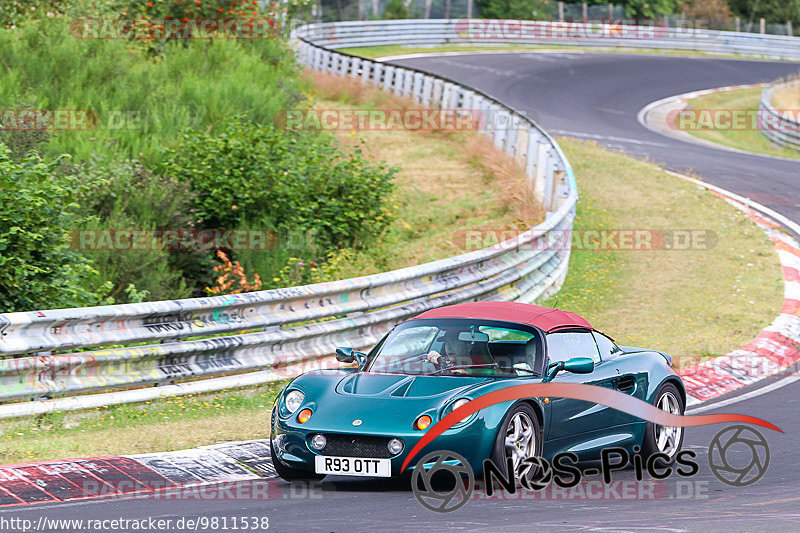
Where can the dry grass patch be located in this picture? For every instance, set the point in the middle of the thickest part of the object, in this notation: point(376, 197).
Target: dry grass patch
point(787, 96)
point(448, 181)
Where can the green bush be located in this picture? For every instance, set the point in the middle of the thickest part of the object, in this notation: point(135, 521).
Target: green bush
point(395, 10)
point(303, 182)
point(132, 198)
point(38, 267)
point(143, 103)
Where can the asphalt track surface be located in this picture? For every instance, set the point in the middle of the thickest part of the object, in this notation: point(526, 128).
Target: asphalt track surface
point(592, 96)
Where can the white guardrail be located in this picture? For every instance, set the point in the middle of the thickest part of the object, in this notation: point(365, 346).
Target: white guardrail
point(335, 35)
point(189, 339)
point(776, 126)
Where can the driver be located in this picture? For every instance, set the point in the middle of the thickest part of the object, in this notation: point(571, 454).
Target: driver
point(452, 348)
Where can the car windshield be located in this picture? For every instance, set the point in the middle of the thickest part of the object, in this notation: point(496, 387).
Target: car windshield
point(459, 347)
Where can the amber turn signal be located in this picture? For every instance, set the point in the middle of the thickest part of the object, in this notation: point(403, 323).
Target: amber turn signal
point(423, 422)
point(304, 415)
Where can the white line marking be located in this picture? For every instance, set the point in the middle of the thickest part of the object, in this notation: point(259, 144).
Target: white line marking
point(478, 52)
point(752, 394)
point(604, 137)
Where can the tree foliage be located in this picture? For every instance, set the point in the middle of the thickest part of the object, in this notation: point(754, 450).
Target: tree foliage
point(514, 9)
point(773, 11)
point(302, 181)
point(39, 269)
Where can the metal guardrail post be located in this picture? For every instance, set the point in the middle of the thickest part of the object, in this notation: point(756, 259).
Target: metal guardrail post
point(549, 178)
point(511, 138)
point(455, 96)
point(427, 91)
point(437, 93)
point(447, 91)
point(531, 154)
point(378, 71)
point(344, 65)
point(408, 84)
point(388, 77)
point(499, 125)
point(417, 88)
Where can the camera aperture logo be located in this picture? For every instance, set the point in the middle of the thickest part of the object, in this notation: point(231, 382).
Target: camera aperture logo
point(424, 481)
point(738, 455)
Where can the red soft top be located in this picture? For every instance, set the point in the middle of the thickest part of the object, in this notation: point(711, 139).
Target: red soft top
point(544, 318)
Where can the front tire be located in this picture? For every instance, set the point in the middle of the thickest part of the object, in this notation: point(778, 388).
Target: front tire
point(519, 437)
point(664, 439)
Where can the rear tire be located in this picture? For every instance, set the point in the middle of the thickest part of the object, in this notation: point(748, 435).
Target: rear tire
point(661, 439)
point(519, 437)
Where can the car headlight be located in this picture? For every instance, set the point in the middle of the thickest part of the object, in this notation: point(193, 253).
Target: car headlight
point(458, 403)
point(455, 405)
point(293, 400)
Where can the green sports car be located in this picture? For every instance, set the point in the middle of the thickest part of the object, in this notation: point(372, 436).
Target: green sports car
point(363, 421)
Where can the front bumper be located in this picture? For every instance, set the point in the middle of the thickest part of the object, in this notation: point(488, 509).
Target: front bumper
point(292, 444)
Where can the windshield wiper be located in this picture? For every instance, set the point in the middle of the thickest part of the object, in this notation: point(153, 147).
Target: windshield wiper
point(459, 367)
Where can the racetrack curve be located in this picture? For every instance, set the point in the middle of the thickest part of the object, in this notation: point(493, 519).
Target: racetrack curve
point(593, 96)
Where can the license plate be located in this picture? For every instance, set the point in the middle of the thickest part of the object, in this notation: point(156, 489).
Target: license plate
point(352, 466)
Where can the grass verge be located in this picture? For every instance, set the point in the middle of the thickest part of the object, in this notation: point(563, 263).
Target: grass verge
point(692, 303)
point(749, 139)
point(155, 426)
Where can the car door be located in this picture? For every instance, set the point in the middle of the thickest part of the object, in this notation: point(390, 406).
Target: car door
point(570, 418)
point(629, 379)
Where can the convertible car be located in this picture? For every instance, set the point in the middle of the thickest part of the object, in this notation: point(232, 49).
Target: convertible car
point(363, 421)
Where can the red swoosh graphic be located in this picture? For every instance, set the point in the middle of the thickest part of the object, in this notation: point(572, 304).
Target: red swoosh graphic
point(579, 391)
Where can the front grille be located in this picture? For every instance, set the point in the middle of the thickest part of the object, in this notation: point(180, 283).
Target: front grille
point(356, 446)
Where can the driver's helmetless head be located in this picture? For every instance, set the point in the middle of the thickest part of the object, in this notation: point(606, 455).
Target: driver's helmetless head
point(453, 346)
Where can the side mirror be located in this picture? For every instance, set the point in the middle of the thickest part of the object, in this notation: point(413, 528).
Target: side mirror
point(579, 365)
point(576, 365)
point(345, 355)
point(349, 355)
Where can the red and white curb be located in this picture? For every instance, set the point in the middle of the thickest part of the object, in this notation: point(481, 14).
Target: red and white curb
point(776, 349)
point(169, 475)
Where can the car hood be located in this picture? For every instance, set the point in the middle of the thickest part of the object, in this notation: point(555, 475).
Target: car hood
point(402, 386)
point(382, 403)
